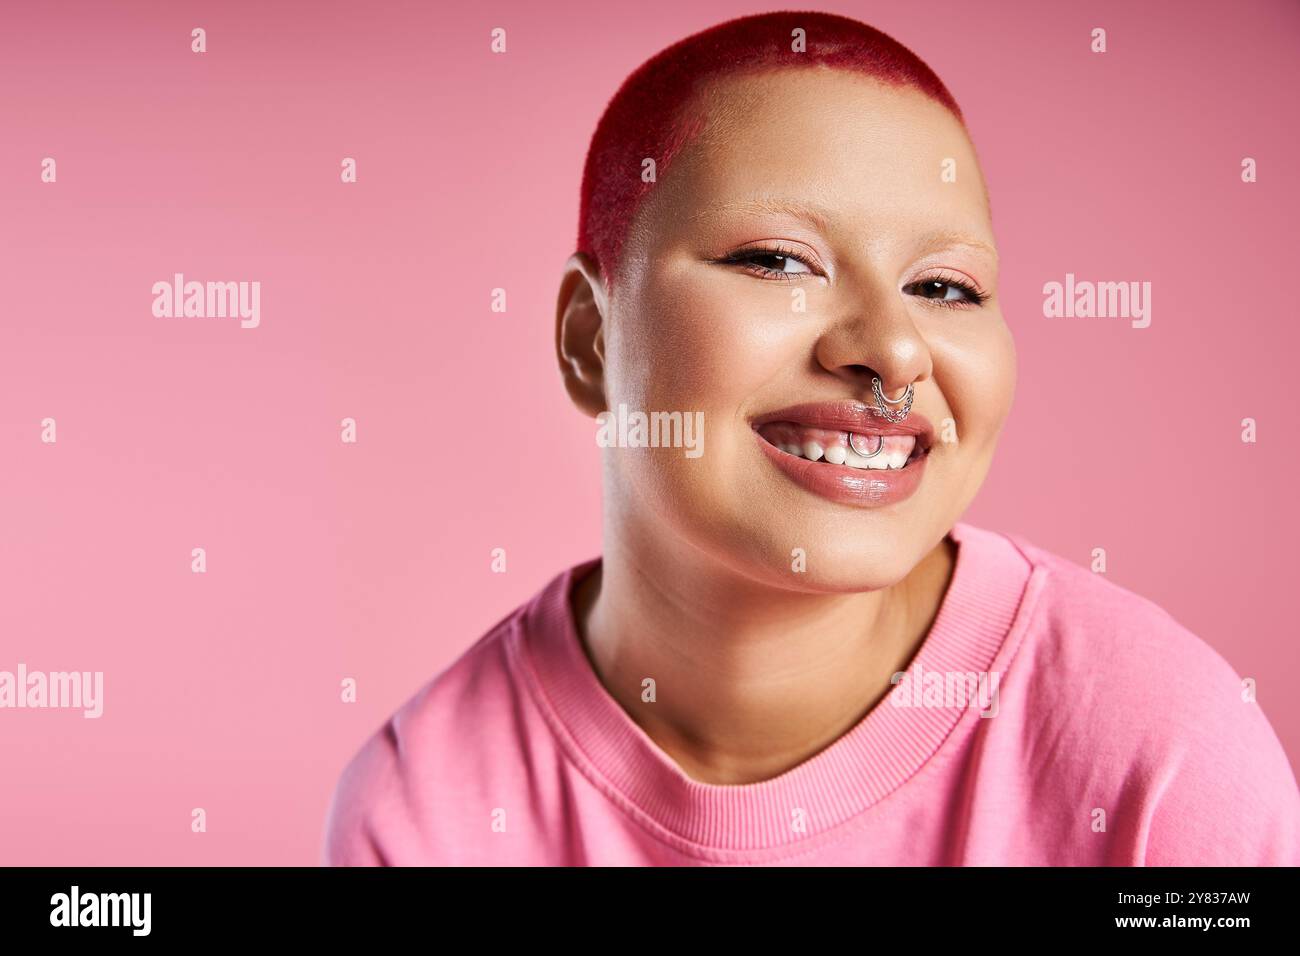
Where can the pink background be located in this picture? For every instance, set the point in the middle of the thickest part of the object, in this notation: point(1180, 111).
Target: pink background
point(371, 561)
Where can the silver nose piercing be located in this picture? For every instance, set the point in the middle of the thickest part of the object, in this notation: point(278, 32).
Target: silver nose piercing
point(889, 414)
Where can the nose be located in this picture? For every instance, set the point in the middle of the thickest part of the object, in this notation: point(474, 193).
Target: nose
point(875, 338)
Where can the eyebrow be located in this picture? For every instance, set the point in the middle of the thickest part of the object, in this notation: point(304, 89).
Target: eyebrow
point(945, 239)
point(820, 217)
point(810, 212)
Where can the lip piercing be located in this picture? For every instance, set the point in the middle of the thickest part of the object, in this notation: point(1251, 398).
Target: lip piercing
point(889, 414)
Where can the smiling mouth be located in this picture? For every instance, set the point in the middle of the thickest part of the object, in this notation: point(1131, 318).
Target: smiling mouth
point(865, 451)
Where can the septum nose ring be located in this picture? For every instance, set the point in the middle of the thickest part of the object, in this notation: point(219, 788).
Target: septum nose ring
point(882, 403)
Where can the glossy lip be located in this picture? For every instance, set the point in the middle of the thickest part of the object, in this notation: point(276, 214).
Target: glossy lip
point(840, 483)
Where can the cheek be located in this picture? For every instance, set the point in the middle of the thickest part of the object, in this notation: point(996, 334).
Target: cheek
point(698, 345)
point(976, 373)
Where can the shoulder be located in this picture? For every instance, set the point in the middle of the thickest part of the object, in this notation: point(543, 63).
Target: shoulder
point(1087, 622)
point(1136, 702)
point(388, 792)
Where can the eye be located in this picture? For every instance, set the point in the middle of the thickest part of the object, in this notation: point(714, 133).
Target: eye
point(949, 291)
point(778, 263)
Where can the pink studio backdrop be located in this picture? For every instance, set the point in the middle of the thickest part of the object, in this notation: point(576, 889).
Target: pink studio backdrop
point(328, 560)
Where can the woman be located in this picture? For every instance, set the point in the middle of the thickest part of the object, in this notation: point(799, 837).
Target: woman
point(792, 649)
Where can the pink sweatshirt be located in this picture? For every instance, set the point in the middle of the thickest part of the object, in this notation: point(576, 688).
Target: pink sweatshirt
point(1109, 734)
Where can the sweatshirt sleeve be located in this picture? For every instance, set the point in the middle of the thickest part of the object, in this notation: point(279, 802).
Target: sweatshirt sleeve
point(1225, 793)
point(365, 798)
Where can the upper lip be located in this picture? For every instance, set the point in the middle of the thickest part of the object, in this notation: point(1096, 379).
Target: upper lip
point(852, 416)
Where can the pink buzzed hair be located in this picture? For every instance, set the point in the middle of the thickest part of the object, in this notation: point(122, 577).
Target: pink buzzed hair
point(646, 117)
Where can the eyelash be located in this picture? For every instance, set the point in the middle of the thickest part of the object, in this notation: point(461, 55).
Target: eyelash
point(976, 296)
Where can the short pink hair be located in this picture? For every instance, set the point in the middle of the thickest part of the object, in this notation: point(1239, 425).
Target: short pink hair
point(646, 116)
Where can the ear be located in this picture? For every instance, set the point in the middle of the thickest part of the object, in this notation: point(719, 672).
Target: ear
point(580, 333)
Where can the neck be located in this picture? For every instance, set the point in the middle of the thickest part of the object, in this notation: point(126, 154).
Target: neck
point(750, 680)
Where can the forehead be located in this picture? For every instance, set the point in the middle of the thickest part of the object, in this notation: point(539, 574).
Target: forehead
point(857, 154)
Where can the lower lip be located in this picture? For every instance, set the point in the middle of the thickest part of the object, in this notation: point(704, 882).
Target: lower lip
point(849, 486)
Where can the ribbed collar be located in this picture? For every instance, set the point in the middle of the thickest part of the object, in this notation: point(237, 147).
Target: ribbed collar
point(850, 775)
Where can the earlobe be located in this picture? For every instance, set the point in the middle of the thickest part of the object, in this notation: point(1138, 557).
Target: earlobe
point(580, 334)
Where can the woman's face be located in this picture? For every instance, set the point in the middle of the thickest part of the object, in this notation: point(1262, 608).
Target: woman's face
point(737, 301)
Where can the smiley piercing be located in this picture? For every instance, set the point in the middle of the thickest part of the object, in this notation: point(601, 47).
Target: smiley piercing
point(863, 454)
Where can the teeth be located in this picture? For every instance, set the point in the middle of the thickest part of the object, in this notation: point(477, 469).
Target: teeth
point(883, 461)
point(829, 445)
point(833, 447)
point(854, 460)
